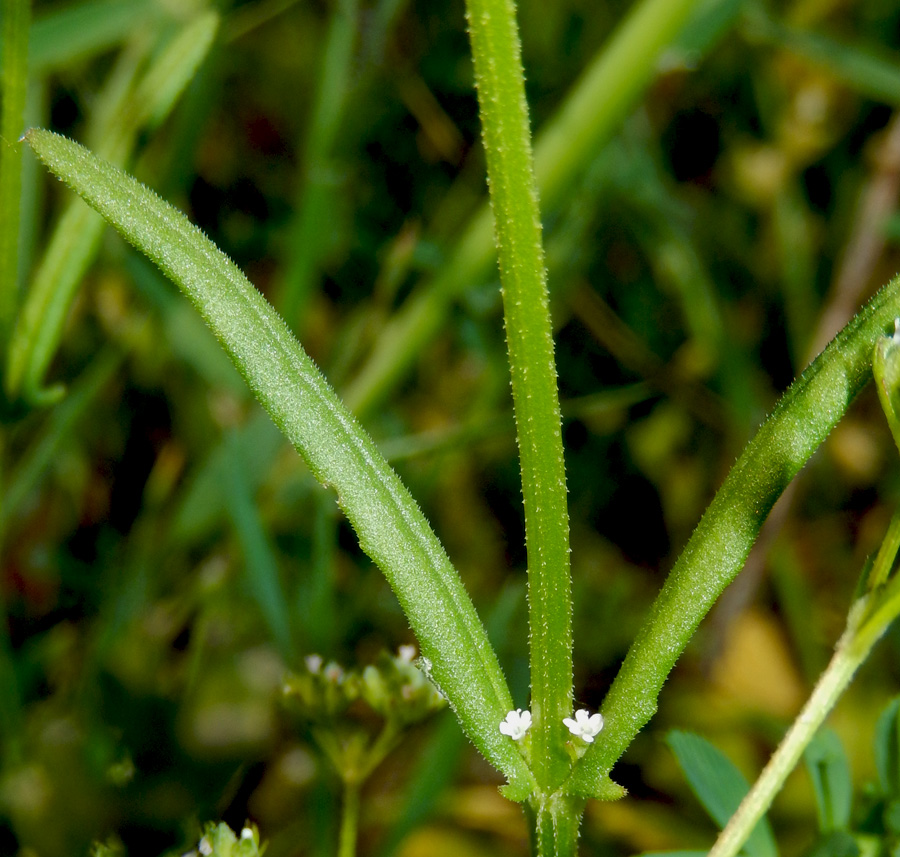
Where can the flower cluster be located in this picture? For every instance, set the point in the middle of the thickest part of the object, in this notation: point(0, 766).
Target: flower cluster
point(393, 687)
point(585, 725)
point(338, 706)
point(219, 840)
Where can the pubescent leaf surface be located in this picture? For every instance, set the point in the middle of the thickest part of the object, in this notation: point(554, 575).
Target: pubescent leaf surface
point(388, 522)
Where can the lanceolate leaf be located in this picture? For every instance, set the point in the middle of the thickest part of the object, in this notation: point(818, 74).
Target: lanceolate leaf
point(389, 524)
point(719, 546)
point(719, 785)
point(829, 770)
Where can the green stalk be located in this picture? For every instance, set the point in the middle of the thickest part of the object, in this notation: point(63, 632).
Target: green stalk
point(869, 618)
point(507, 144)
point(716, 552)
point(16, 21)
point(349, 819)
point(554, 823)
point(590, 115)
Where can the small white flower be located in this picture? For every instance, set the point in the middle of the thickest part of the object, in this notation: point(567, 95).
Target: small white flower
point(333, 673)
point(246, 833)
point(516, 724)
point(406, 653)
point(205, 847)
point(313, 663)
point(585, 725)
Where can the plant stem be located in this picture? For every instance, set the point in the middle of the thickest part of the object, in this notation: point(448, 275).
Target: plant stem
point(852, 649)
point(507, 143)
point(592, 112)
point(554, 824)
point(349, 819)
point(16, 22)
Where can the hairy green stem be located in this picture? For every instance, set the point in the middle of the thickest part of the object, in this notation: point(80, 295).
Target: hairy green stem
point(16, 21)
point(869, 618)
point(716, 552)
point(554, 822)
point(507, 144)
point(593, 111)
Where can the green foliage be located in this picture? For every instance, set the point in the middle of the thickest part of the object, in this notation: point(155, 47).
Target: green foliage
point(166, 558)
point(829, 770)
point(840, 832)
point(388, 523)
point(219, 840)
point(720, 787)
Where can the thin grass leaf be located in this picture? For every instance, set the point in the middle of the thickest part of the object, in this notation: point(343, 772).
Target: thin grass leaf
point(389, 524)
point(16, 18)
point(260, 564)
point(58, 427)
point(313, 222)
point(871, 72)
point(202, 507)
point(131, 103)
point(886, 368)
point(77, 32)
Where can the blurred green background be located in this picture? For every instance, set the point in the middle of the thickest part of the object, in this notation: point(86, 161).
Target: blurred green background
point(165, 553)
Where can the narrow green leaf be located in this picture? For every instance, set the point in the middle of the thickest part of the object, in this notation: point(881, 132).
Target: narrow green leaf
point(719, 786)
point(79, 31)
point(40, 454)
point(202, 507)
point(260, 563)
point(840, 843)
point(707, 25)
point(16, 18)
point(887, 748)
point(719, 546)
point(829, 771)
point(313, 223)
point(134, 99)
point(389, 524)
